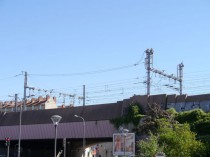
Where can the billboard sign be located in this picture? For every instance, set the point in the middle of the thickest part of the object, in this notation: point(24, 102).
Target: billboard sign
point(123, 144)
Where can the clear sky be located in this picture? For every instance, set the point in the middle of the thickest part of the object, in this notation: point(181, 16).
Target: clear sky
point(65, 44)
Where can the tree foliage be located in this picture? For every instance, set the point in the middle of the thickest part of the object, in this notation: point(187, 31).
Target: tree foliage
point(198, 120)
point(132, 115)
point(176, 139)
point(179, 140)
point(148, 147)
point(183, 134)
point(150, 123)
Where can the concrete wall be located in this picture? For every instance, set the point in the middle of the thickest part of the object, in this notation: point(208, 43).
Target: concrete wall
point(178, 102)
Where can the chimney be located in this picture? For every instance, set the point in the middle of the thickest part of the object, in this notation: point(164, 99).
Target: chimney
point(40, 98)
point(54, 98)
point(47, 97)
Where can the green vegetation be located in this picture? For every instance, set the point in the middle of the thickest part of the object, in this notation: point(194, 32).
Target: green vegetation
point(198, 120)
point(133, 115)
point(148, 147)
point(174, 139)
point(178, 140)
point(168, 135)
point(184, 134)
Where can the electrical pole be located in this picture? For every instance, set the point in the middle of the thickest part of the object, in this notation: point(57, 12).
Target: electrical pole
point(16, 97)
point(149, 68)
point(8, 145)
point(180, 75)
point(64, 147)
point(25, 86)
point(148, 64)
point(20, 129)
point(83, 95)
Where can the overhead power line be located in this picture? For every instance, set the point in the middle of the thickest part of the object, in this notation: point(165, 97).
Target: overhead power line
point(90, 72)
point(6, 78)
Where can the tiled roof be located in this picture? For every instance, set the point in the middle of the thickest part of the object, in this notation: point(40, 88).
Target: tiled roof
point(31, 102)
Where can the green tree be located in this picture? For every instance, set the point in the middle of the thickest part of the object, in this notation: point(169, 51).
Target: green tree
point(148, 147)
point(175, 139)
point(199, 122)
point(179, 141)
point(150, 122)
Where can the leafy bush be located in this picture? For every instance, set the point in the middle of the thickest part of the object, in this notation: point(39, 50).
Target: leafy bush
point(190, 116)
point(179, 141)
point(148, 147)
point(133, 115)
point(172, 111)
point(198, 120)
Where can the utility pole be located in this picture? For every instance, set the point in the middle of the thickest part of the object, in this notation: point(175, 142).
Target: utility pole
point(149, 68)
point(7, 144)
point(16, 97)
point(148, 64)
point(20, 121)
point(180, 75)
point(64, 147)
point(20, 129)
point(83, 95)
point(25, 86)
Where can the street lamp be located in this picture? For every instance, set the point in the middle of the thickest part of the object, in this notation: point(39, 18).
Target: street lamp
point(55, 119)
point(83, 132)
point(124, 131)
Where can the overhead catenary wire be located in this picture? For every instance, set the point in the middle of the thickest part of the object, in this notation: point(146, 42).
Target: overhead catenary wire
point(88, 72)
point(10, 77)
point(119, 87)
point(191, 83)
point(194, 82)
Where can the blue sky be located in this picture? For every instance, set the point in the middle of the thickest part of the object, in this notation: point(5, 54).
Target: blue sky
point(68, 37)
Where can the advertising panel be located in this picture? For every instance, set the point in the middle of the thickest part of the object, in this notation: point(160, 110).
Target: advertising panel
point(123, 144)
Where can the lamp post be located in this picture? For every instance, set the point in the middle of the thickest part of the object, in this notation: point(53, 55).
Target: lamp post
point(55, 119)
point(83, 133)
point(124, 131)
